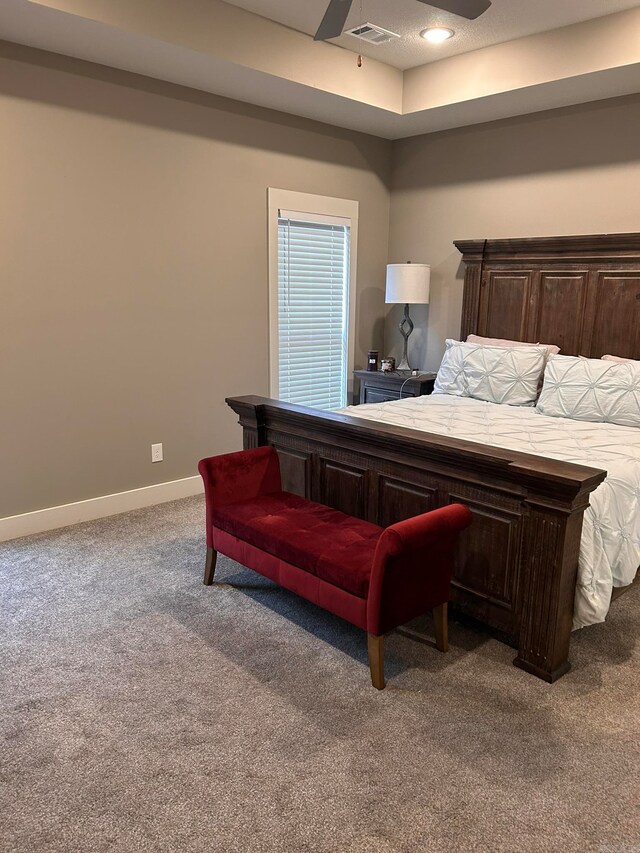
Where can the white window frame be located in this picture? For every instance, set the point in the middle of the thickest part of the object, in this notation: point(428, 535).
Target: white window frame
point(319, 205)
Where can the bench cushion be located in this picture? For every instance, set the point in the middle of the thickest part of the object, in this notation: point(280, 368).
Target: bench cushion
point(327, 543)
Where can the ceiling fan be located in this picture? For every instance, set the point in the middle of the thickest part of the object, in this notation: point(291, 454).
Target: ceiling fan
point(336, 15)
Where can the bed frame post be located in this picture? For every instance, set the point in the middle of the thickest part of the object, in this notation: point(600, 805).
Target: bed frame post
point(251, 419)
point(550, 550)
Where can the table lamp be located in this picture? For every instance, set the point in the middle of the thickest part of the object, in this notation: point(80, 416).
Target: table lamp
point(407, 283)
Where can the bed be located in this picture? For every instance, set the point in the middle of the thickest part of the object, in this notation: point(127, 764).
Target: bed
point(610, 542)
point(521, 569)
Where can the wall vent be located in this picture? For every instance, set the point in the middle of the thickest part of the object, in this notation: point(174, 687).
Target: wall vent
point(372, 34)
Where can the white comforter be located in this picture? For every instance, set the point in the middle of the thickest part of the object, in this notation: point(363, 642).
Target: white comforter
point(610, 546)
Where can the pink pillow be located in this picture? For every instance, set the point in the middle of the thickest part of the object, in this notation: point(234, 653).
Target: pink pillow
point(615, 358)
point(552, 349)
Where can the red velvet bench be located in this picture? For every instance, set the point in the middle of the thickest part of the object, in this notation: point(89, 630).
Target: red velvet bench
point(376, 578)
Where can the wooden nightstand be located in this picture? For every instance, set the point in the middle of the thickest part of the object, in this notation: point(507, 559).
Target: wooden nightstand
point(378, 387)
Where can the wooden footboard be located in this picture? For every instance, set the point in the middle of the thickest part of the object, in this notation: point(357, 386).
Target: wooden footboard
point(516, 566)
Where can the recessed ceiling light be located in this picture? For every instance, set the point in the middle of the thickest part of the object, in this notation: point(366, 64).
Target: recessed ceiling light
point(436, 35)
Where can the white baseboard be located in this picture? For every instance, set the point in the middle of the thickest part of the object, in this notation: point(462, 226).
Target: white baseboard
point(53, 517)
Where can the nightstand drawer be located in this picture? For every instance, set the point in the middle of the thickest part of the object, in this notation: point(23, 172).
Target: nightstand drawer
point(378, 387)
point(379, 395)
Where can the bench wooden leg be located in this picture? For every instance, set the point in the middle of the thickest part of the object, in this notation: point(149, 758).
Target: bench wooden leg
point(441, 627)
point(376, 660)
point(210, 566)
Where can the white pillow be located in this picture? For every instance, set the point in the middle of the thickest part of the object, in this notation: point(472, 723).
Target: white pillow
point(615, 358)
point(552, 349)
point(590, 389)
point(510, 376)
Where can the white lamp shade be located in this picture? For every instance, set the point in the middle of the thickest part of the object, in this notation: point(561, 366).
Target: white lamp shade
point(408, 283)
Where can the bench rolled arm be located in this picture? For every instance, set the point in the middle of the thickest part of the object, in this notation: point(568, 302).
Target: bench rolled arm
point(412, 567)
point(234, 477)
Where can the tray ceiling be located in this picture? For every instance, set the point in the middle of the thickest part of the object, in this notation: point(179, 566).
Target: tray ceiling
point(504, 21)
point(223, 48)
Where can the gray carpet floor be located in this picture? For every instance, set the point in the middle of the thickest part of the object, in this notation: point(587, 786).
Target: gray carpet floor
point(142, 711)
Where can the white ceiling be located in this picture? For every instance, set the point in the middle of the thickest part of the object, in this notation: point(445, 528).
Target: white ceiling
point(505, 20)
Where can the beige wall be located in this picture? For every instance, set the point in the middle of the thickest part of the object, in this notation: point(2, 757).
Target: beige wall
point(570, 171)
point(133, 246)
point(132, 304)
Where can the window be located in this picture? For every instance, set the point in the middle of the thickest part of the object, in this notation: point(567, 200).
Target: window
point(311, 307)
point(313, 288)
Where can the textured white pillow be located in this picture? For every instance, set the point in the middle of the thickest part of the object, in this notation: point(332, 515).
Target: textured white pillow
point(590, 389)
point(552, 349)
point(615, 358)
point(496, 374)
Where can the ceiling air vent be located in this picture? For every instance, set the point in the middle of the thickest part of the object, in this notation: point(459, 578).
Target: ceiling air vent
point(372, 34)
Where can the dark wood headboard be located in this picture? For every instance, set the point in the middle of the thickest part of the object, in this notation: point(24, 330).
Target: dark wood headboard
point(581, 293)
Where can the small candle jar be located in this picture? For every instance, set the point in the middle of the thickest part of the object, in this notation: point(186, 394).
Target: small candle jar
point(388, 365)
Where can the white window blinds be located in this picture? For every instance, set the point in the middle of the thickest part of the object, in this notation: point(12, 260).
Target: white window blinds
point(313, 292)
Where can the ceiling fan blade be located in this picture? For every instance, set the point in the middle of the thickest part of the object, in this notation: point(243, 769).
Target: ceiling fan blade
point(334, 20)
point(465, 8)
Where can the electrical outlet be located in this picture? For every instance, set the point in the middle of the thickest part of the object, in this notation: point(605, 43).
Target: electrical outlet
point(156, 453)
